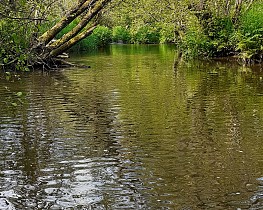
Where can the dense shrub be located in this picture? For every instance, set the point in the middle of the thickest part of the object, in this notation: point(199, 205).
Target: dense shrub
point(167, 35)
point(195, 44)
point(21, 23)
point(121, 34)
point(220, 30)
point(87, 44)
point(146, 35)
point(103, 36)
point(249, 37)
point(14, 41)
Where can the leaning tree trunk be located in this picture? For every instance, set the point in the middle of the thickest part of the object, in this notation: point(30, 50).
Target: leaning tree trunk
point(87, 11)
point(66, 45)
point(238, 7)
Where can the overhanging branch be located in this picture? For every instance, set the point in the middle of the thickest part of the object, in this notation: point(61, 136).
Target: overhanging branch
point(68, 18)
point(72, 41)
point(83, 22)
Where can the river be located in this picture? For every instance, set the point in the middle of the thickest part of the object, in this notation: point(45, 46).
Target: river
point(140, 129)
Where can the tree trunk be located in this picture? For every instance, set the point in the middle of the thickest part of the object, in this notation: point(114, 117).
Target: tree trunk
point(238, 7)
point(86, 19)
point(62, 48)
point(87, 11)
point(68, 18)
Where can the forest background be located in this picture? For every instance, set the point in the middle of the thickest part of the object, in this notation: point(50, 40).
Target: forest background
point(199, 28)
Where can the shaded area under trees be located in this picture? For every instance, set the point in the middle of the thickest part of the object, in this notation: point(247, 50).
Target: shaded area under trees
point(32, 49)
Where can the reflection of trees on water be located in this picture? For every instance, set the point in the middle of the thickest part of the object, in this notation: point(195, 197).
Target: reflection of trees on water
point(149, 136)
point(202, 150)
point(68, 148)
point(221, 112)
point(30, 131)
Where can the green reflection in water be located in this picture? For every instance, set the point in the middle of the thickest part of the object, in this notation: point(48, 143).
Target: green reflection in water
point(141, 129)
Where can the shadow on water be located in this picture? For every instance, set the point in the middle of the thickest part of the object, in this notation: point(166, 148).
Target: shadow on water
point(141, 129)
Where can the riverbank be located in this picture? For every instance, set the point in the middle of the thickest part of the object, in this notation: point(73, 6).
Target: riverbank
point(208, 31)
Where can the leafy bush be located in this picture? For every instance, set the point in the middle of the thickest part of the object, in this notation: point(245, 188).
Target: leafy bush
point(249, 37)
point(14, 41)
point(87, 44)
point(102, 35)
point(120, 33)
point(220, 32)
point(195, 44)
point(194, 41)
point(167, 35)
point(146, 35)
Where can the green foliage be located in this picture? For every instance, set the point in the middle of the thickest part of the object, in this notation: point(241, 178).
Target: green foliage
point(68, 28)
point(15, 40)
point(252, 19)
point(167, 35)
point(102, 35)
point(196, 44)
point(200, 30)
point(46, 25)
point(210, 28)
point(20, 24)
point(220, 30)
point(249, 37)
point(146, 35)
point(87, 44)
point(120, 33)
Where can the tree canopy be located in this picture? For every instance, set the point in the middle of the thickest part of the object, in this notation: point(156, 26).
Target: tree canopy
point(23, 21)
point(36, 32)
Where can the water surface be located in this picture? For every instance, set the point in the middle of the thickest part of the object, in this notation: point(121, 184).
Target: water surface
point(140, 129)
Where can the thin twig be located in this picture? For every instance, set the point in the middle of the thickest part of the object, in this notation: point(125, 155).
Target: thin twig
point(21, 18)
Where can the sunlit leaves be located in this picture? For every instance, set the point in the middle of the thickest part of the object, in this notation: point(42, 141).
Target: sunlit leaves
point(19, 94)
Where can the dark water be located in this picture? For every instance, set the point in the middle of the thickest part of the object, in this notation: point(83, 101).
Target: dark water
point(141, 129)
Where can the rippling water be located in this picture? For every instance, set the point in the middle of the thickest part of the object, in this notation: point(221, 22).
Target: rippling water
point(141, 129)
